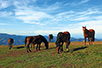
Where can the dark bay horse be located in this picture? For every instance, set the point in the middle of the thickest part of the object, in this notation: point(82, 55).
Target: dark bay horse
point(10, 42)
point(88, 33)
point(35, 40)
point(50, 37)
point(61, 38)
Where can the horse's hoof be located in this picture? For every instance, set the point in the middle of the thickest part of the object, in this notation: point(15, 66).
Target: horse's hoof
point(58, 52)
point(27, 51)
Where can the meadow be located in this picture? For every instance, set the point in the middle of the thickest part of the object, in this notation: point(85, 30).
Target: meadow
point(78, 56)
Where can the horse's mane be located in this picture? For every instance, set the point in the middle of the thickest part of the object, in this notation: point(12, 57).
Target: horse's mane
point(66, 32)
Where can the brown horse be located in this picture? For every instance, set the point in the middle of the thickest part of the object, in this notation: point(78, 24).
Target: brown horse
point(61, 38)
point(50, 37)
point(88, 33)
point(35, 40)
point(10, 42)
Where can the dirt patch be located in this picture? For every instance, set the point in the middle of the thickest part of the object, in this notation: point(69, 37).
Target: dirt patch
point(13, 53)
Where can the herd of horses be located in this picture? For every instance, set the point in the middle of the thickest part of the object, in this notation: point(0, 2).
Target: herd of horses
point(61, 38)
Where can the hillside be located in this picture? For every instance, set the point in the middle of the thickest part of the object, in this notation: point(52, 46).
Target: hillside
point(19, 40)
point(78, 56)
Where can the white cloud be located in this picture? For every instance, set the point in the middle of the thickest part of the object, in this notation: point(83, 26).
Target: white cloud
point(77, 28)
point(4, 4)
point(83, 1)
point(77, 3)
point(32, 17)
point(4, 24)
point(5, 14)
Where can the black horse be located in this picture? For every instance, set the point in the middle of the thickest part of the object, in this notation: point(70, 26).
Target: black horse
point(61, 38)
point(35, 40)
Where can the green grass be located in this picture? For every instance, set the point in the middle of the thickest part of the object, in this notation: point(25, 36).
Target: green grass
point(79, 56)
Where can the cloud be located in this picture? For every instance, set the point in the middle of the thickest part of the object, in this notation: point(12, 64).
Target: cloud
point(77, 28)
point(77, 3)
point(31, 17)
point(4, 24)
point(5, 14)
point(4, 4)
point(83, 1)
point(52, 17)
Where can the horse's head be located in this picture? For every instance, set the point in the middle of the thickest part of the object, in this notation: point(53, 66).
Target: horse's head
point(84, 27)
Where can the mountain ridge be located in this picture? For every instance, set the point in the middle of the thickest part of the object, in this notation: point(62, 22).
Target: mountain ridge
point(19, 40)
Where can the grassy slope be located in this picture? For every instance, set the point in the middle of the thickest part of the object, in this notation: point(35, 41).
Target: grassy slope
point(79, 56)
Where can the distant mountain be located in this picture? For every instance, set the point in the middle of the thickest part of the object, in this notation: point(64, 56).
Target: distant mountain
point(19, 40)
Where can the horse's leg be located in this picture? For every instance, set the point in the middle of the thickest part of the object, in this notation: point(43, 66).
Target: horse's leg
point(61, 47)
point(66, 46)
point(85, 40)
point(58, 48)
point(89, 40)
point(29, 48)
point(31, 45)
point(39, 46)
point(9, 46)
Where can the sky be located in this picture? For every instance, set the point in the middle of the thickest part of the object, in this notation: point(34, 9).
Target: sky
point(33, 17)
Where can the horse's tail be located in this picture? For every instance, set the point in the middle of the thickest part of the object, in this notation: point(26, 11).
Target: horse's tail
point(93, 38)
point(25, 41)
point(69, 38)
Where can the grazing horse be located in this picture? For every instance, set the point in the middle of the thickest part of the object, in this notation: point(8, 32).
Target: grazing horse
point(10, 42)
point(88, 33)
point(50, 37)
point(61, 38)
point(35, 40)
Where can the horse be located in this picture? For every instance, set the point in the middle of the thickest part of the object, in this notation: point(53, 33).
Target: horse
point(61, 38)
point(35, 40)
point(50, 37)
point(10, 42)
point(88, 33)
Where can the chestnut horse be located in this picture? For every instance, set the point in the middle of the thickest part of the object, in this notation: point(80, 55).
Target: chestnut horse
point(88, 33)
point(35, 40)
point(50, 37)
point(61, 38)
point(10, 42)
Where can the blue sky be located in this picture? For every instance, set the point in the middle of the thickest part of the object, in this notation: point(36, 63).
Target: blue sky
point(33, 17)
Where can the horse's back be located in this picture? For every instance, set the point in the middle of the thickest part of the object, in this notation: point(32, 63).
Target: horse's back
point(91, 30)
point(10, 40)
point(29, 39)
point(65, 36)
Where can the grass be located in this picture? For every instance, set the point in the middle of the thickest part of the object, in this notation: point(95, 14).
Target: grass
point(79, 56)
